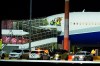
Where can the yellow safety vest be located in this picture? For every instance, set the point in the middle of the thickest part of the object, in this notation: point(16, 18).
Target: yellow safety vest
point(58, 23)
point(93, 51)
point(0, 43)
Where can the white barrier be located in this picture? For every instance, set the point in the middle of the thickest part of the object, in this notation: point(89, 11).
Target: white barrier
point(54, 61)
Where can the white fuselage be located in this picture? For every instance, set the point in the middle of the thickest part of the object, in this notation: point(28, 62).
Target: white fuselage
point(79, 22)
point(84, 22)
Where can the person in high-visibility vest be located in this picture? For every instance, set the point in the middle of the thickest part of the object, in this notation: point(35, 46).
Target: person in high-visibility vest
point(0, 44)
point(52, 22)
point(93, 52)
point(58, 23)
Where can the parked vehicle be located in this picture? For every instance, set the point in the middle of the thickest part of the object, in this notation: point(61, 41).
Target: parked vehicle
point(36, 54)
point(19, 54)
point(16, 54)
point(39, 55)
point(83, 56)
point(2, 54)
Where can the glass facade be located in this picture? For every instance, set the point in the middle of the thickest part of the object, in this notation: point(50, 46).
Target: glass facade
point(37, 33)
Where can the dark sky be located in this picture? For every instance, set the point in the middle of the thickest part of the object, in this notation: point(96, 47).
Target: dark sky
point(88, 5)
point(19, 9)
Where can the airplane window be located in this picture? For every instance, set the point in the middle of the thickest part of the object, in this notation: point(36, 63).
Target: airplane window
point(74, 23)
point(77, 23)
point(95, 23)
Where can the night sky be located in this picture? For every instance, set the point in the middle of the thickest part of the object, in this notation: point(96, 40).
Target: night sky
point(19, 9)
point(88, 5)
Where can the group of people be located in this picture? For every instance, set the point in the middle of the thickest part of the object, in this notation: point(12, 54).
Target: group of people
point(56, 21)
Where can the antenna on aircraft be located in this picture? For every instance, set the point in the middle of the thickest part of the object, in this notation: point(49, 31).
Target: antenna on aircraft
point(83, 10)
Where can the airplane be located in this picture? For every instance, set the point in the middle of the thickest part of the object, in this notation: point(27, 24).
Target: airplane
point(84, 27)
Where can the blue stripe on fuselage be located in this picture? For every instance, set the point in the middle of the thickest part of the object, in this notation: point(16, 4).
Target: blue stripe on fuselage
point(85, 38)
